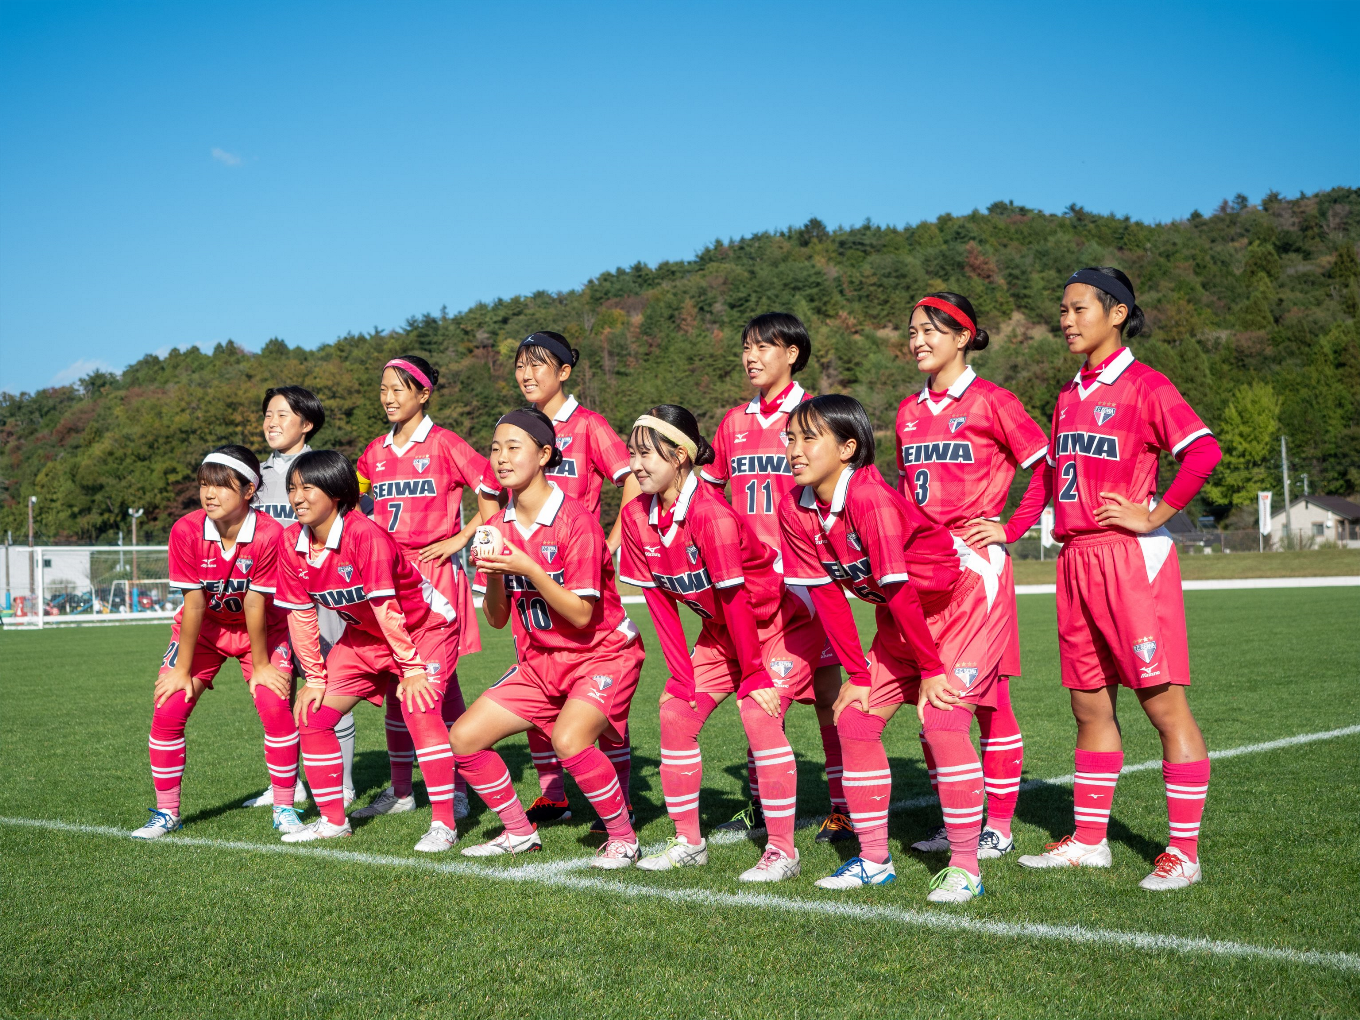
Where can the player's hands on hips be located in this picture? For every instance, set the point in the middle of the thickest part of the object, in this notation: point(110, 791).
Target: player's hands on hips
point(273, 678)
point(308, 700)
point(767, 698)
point(1124, 513)
point(417, 693)
point(851, 694)
point(171, 683)
point(441, 551)
point(980, 532)
point(516, 561)
point(936, 691)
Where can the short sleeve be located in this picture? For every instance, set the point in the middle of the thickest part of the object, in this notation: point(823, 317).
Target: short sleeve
point(183, 556)
point(363, 469)
point(583, 561)
point(291, 593)
point(718, 537)
point(880, 518)
point(469, 466)
point(489, 485)
point(264, 572)
point(717, 471)
point(609, 454)
point(375, 561)
point(1017, 431)
point(801, 563)
point(1174, 423)
point(633, 567)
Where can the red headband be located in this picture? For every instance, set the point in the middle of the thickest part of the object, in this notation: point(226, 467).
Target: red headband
point(416, 373)
point(953, 310)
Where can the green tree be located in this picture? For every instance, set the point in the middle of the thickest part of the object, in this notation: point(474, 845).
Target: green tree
point(1247, 435)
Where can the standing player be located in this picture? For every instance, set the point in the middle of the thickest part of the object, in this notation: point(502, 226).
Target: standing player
point(749, 453)
point(758, 639)
point(591, 455)
point(224, 558)
point(578, 657)
point(292, 416)
point(959, 442)
point(1121, 615)
point(400, 642)
point(846, 525)
point(416, 474)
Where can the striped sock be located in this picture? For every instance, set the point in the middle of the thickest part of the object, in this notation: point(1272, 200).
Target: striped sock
point(960, 778)
point(594, 774)
point(549, 769)
point(401, 751)
point(1187, 784)
point(486, 773)
point(929, 757)
point(1003, 759)
point(776, 771)
point(682, 766)
point(620, 756)
point(867, 781)
point(324, 764)
point(831, 748)
point(344, 732)
point(166, 750)
point(453, 707)
point(280, 742)
point(1093, 793)
point(430, 738)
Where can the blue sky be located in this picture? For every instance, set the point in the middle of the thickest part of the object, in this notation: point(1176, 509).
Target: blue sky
point(179, 174)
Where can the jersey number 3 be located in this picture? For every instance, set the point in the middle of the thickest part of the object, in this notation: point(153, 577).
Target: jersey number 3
point(921, 486)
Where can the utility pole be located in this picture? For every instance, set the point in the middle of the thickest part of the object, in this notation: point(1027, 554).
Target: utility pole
point(1288, 517)
point(32, 583)
point(9, 541)
point(132, 590)
point(1305, 485)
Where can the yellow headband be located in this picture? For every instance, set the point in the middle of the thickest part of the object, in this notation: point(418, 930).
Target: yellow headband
point(670, 432)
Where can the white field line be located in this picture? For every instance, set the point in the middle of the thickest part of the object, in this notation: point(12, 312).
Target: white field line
point(941, 921)
point(1227, 584)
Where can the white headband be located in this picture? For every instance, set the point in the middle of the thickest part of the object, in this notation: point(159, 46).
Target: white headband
point(235, 465)
point(670, 432)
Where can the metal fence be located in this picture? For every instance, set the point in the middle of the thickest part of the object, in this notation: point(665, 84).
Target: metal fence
point(88, 584)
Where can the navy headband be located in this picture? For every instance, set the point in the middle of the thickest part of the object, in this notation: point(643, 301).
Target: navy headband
point(539, 431)
point(1100, 281)
point(558, 349)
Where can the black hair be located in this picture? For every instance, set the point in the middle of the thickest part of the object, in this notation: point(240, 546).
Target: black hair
point(844, 417)
point(943, 320)
point(545, 434)
point(430, 371)
point(783, 329)
point(1133, 322)
point(331, 472)
point(680, 418)
point(302, 402)
point(542, 354)
point(228, 477)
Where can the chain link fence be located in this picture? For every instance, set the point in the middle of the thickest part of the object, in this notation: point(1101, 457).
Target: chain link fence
point(52, 586)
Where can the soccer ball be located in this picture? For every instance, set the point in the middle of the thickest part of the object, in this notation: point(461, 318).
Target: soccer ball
point(487, 541)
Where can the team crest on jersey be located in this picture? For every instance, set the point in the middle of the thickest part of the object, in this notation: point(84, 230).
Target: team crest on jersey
point(966, 674)
point(420, 464)
point(957, 423)
point(781, 667)
point(1145, 649)
point(852, 540)
point(563, 442)
point(602, 681)
point(347, 572)
point(1104, 412)
point(432, 669)
point(693, 553)
point(243, 565)
point(549, 552)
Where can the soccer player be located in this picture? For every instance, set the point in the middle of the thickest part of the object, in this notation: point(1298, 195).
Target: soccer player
point(748, 450)
point(959, 443)
point(592, 454)
point(758, 640)
point(937, 645)
point(1121, 615)
point(224, 558)
point(416, 474)
point(400, 642)
point(292, 416)
point(578, 657)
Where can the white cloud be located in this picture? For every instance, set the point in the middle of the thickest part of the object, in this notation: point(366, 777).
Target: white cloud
point(79, 369)
point(225, 157)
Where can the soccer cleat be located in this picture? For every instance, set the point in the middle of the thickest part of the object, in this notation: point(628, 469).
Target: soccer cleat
point(504, 844)
point(544, 810)
point(992, 844)
point(857, 872)
point(286, 819)
point(750, 820)
point(460, 805)
point(319, 829)
point(936, 843)
point(616, 854)
point(835, 828)
point(388, 803)
point(1068, 853)
point(597, 828)
point(677, 854)
point(438, 839)
point(954, 885)
point(774, 866)
point(349, 795)
point(1171, 870)
point(157, 825)
point(266, 799)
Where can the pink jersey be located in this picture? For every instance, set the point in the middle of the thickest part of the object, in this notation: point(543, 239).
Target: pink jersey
point(360, 565)
point(750, 455)
point(1106, 438)
point(568, 542)
point(197, 560)
point(956, 458)
point(417, 490)
point(707, 547)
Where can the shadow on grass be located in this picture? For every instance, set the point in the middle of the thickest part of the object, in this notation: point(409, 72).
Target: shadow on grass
point(1050, 808)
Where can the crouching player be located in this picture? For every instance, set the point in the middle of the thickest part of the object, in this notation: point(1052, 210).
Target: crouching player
point(224, 558)
point(846, 525)
point(400, 641)
point(1121, 615)
point(686, 544)
point(545, 561)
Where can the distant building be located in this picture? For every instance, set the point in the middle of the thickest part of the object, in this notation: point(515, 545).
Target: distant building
point(1322, 519)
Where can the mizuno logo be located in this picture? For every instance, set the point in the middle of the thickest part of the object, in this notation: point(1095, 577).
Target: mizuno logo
point(741, 437)
point(938, 453)
point(408, 487)
point(1088, 444)
point(910, 426)
point(652, 550)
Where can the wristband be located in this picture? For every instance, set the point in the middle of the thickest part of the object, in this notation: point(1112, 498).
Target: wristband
point(314, 685)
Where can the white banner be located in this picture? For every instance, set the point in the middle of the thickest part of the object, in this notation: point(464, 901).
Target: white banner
point(1046, 528)
point(1263, 511)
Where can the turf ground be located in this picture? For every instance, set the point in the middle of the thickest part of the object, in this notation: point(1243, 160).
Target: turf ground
point(225, 922)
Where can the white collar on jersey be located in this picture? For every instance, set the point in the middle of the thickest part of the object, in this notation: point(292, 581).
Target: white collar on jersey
point(792, 400)
point(421, 433)
point(681, 502)
point(566, 410)
point(246, 534)
point(304, 542)
point(547, 514)
point(1109, 375)
point(956, 390)
point(809, 498)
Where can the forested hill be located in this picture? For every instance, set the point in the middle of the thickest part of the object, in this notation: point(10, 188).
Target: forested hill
point(1253, 312)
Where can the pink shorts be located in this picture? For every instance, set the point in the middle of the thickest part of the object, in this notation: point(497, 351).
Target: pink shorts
point(453, 584)
point(361, 666)
point(218, 643)
point(1005, 604)
point(1114, 624)
point(792, 646)
point(605, 678)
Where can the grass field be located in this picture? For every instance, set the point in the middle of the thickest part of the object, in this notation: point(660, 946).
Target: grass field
point(1305, 563)
point(225, 922)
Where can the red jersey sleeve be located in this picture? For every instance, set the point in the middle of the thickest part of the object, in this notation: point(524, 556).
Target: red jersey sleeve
point(717, 471)
point(469, 466)
point(1173, 422)
point(609, 456)
point(633, 567)
point(1016, 430)
point(185, 539)
point(801, 563)
point(264, 575)
point(291, 593)
point(376, 566)
point(884, 529)
point(583, 565)
point(718, 536)
point(489, 483)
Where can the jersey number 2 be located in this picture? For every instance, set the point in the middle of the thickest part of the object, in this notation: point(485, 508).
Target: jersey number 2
point(1068, 493)
point(753, 489)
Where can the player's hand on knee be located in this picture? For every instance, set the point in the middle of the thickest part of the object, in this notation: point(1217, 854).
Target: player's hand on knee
point(935, 690)
point(851, 694)
point(417, 693)
point(272, 678)
point(768, 700)
point(309, 698)
point(171, 683)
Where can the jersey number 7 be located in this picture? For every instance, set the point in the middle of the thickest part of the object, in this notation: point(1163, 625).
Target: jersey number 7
point(396, 515)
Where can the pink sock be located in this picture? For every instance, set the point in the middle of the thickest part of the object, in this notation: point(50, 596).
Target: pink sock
point(930, 762)
point(1093, 793)
point(486, 773)
point(1187, 784)
point(620, 756)
point(166, 749)
point(867, 781)
point(960, 778)
point(324, 764)
point(1003, 759)
point(401, 752)
point(547, 766)
point(280, 743)
point(453, 707)
point(752, 780)
point(430, 736)
point(831, 747)
point(776, 771)
point(682, 767)
point(595, 775)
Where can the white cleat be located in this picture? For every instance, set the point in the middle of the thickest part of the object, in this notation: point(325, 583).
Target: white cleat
point(319, 829)
point(1171, 870)
point(460, 805)
point(857, 872)
point(774, 866)
point(388, 803)
point(992, 844)
point(954, 885)
point(350, 796)
point(266, 799)
point(438, 839)
point(1068, 853)
point(504, 844)
point(616, 854)
point(677, 854)
point(936, 843)
point(286, 820)
point(160, 823)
